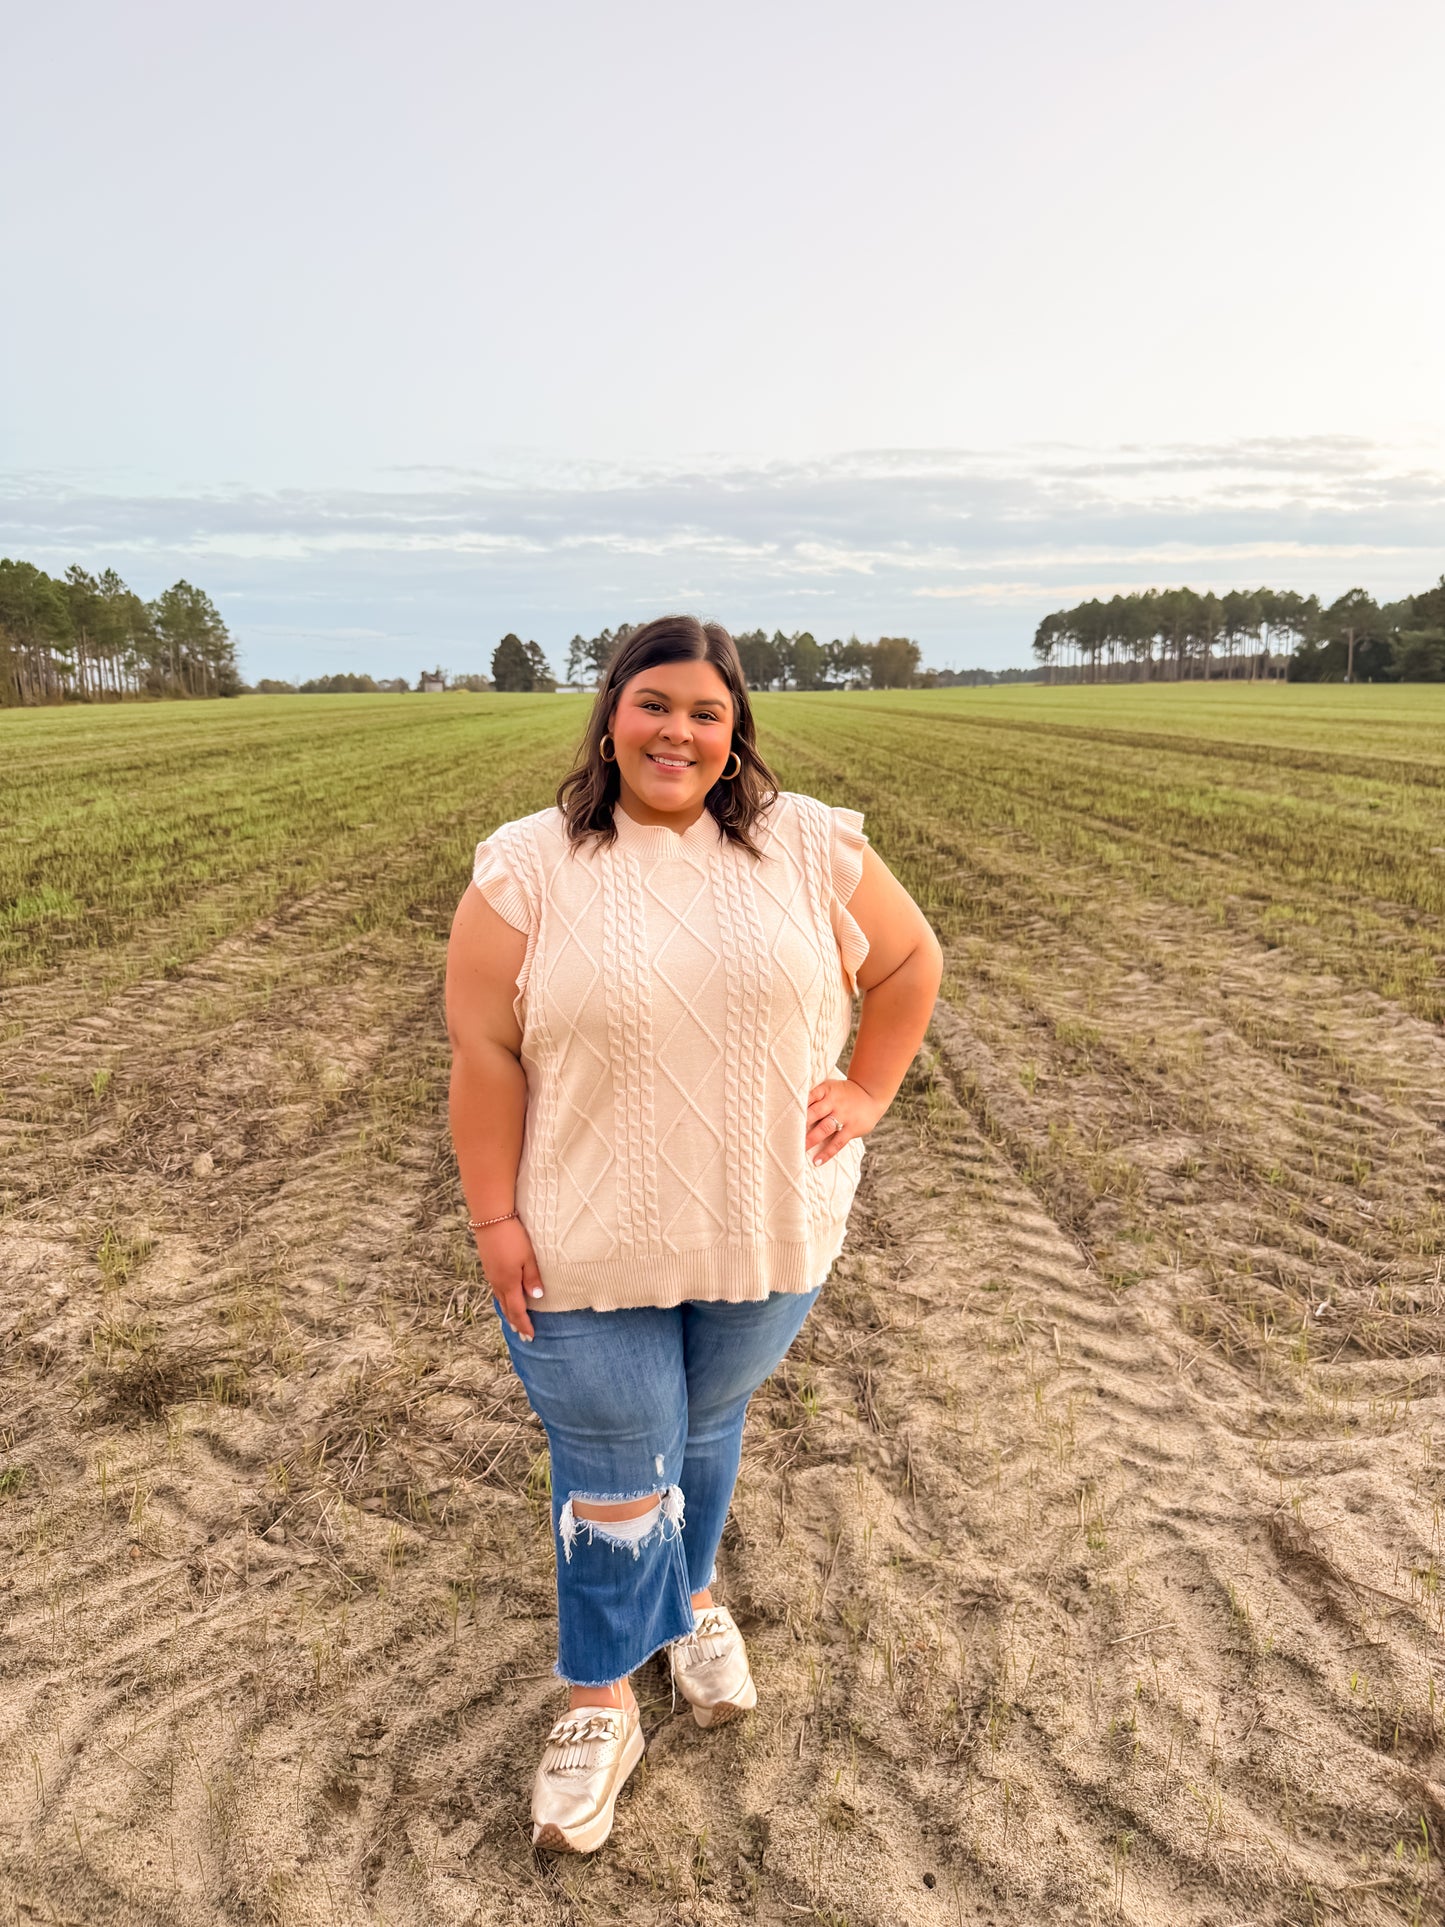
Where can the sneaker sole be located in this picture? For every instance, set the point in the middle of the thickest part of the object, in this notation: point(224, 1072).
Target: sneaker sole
point(587, 1839)
point(726, 1710)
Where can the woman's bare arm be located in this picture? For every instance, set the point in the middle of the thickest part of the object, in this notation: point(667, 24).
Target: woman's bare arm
point(899, 979)
point(489, 1095)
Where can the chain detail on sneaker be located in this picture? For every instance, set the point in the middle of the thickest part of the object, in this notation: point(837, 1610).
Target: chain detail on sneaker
point(585, 1763)
point(710, 1668)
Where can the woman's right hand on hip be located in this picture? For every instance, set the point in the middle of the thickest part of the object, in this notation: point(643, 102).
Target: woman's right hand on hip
point(509, 1266)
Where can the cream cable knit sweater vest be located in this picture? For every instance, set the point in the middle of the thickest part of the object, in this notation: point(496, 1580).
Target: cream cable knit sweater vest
point(678, 1000)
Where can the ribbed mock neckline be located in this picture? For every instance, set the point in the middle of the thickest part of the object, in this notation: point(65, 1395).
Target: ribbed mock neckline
point(656, 840)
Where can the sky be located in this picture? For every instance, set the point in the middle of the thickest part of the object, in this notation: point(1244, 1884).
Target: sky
point(399, 327)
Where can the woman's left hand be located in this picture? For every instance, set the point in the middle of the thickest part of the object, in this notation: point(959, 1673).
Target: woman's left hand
point(850, 1104)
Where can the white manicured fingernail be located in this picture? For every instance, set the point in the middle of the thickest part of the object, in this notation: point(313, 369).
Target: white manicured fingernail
point(536, 1291)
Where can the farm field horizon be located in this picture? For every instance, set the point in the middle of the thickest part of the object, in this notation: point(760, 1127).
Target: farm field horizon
point(1088, 1541)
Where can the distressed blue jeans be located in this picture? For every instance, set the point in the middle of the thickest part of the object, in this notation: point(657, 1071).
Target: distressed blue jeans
point(642, 1402)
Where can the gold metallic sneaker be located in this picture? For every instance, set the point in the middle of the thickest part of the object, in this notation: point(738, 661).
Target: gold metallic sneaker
point(710, 1668)
point(587, 1758)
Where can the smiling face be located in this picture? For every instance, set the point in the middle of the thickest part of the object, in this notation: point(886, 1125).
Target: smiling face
point(673, 731)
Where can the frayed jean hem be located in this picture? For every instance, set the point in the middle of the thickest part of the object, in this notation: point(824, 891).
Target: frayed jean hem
point(567, 1679)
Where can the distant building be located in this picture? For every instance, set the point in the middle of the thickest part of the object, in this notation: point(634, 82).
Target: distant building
point(431, 685)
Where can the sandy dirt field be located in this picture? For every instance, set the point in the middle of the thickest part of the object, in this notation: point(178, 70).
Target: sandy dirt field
point(1087, 1543)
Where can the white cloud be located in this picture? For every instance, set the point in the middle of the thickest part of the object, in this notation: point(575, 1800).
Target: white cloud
point(929, 541)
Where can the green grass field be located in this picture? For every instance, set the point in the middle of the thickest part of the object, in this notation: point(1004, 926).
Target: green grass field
point(1088, 1543)
point(1313, 815)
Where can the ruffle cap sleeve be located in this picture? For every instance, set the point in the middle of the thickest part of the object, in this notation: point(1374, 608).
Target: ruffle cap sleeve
point(505, 871)
point(497, 877)
point(849, 841)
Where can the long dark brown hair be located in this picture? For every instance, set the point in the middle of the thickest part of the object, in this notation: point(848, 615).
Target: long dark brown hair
point(589, 791)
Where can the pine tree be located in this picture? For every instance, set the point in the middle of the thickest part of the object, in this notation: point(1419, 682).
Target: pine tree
point(542, 677)
point(511, 666)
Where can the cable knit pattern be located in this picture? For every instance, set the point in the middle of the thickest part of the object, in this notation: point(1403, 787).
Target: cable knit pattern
point(678, 1000)
point(747, 972)
point(629, 1007)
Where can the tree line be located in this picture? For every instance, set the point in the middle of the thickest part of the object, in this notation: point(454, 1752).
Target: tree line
point(84, 637)
point(516, 666)
point(89, 637)
point(779, 661)
point(1181, 635)
point(344, 683)
point(769, 662)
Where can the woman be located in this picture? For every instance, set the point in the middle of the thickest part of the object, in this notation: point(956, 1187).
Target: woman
point(648, 989)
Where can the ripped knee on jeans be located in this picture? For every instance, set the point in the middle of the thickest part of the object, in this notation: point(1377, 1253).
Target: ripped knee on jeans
point(635, 1533)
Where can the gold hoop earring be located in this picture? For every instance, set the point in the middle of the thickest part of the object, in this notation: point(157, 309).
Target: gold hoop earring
point(730, 775)
point(607, 738)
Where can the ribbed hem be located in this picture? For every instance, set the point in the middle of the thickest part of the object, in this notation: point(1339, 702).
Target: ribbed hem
point(664, 1278)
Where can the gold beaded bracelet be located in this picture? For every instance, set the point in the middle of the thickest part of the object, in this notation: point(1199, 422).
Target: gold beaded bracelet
point(479, 1224)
